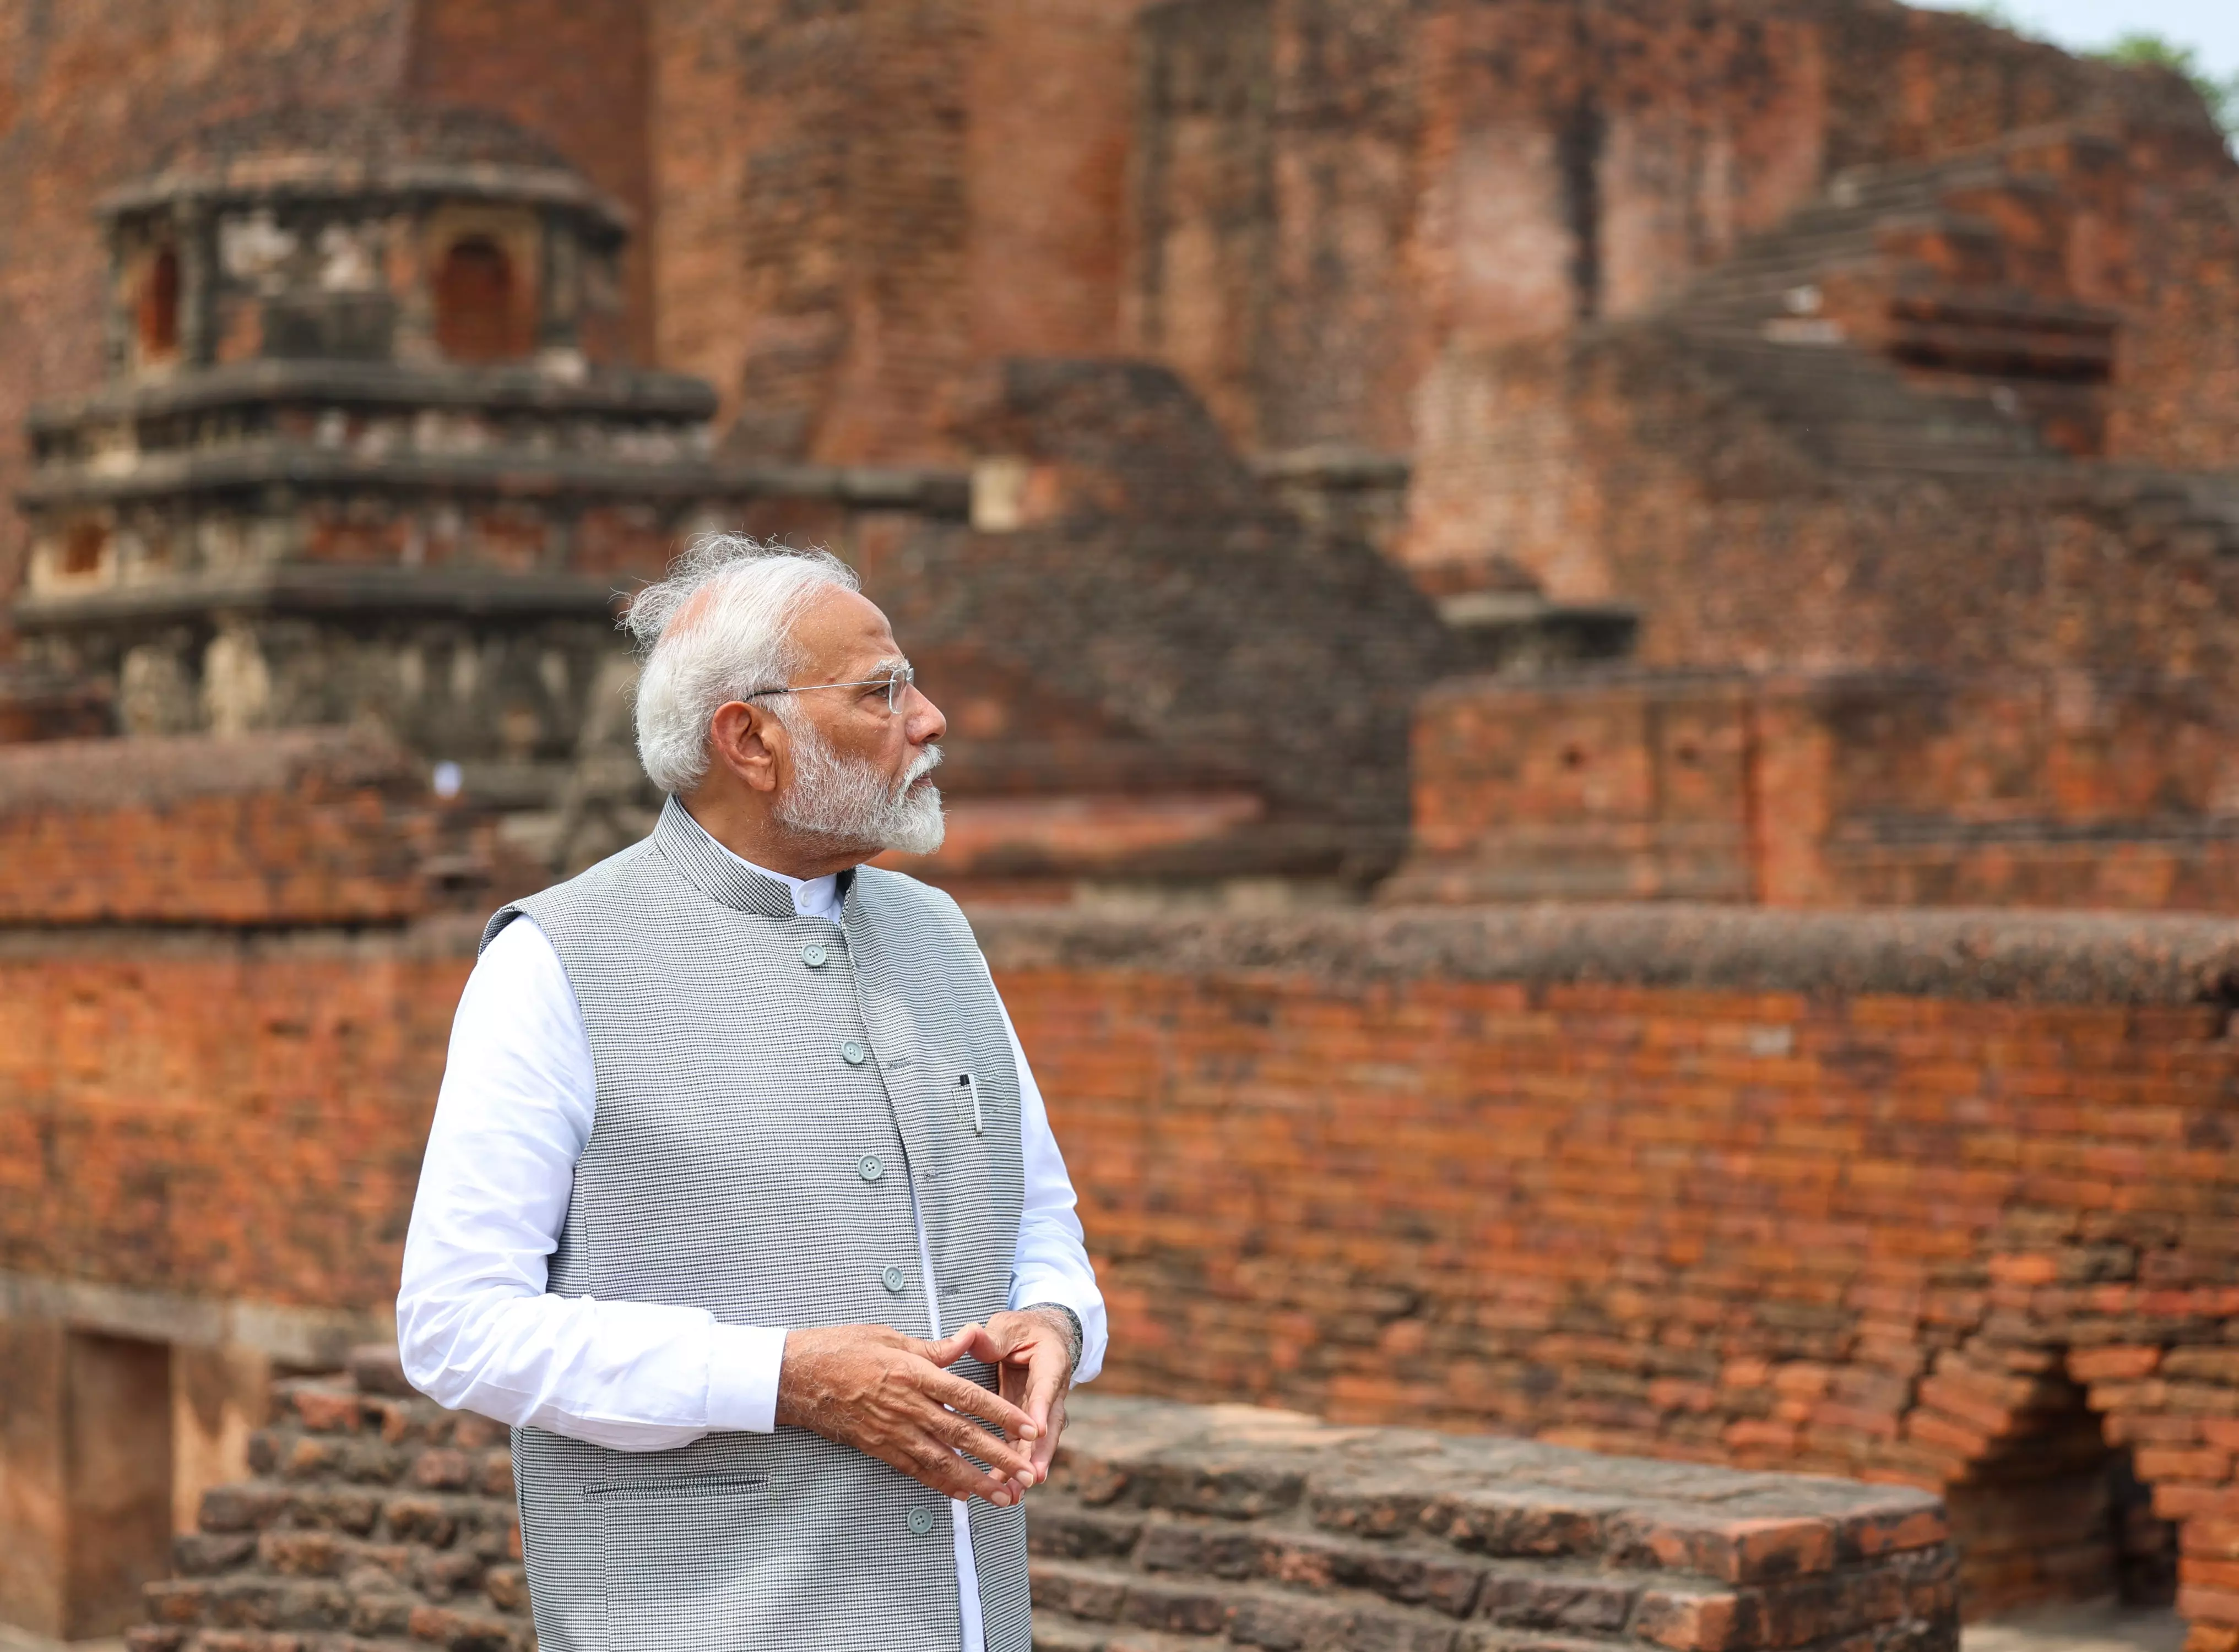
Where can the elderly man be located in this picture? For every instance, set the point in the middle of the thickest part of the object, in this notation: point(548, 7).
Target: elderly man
point(740, 1203)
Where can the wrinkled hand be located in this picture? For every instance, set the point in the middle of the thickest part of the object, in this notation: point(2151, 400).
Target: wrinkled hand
point(1031, 1350)
point(890, 1396)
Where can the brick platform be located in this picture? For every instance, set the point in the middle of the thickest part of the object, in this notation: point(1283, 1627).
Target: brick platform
point(380, 1520)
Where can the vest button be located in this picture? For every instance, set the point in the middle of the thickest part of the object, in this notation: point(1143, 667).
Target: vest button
point(852, 1054)
point(921, 1520)
point(893, 1279)
point(870, 1167)
point(814, 955)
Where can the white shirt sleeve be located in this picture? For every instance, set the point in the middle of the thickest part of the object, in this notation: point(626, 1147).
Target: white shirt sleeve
point(1052, 1261)
point(475, 1325)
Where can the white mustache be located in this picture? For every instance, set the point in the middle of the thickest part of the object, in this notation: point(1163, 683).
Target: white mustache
point(920, 765)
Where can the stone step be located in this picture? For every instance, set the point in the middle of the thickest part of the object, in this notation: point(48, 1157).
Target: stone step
point(1174, 1528)
point(1585, 1603)
point(1077, 1595)
point(1944, 438)
point(1056, 1633)
point(1886, 184)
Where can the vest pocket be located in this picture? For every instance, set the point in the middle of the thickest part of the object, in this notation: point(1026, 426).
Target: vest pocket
point(684, 1561)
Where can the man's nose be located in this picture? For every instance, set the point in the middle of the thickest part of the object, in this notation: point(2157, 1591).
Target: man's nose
point(926, 722)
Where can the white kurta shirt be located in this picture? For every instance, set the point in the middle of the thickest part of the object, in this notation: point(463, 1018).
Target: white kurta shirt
point(479, 1332)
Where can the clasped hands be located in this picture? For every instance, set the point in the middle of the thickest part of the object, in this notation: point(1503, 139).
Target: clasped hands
point(894, 1397)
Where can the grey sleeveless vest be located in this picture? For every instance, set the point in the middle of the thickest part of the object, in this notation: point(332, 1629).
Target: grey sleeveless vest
point(770, 1088)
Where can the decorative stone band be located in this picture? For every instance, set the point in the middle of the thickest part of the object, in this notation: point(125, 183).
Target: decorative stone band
point(378, 1520)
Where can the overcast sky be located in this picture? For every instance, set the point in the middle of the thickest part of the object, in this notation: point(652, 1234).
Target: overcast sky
point(2209, 27)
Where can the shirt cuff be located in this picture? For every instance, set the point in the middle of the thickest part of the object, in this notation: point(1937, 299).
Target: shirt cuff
point(743, 1361)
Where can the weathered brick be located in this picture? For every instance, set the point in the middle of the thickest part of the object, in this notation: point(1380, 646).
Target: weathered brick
point(421, 1520)
point(1066, 1533)
point(1497, 1521)
point(1097, 1595)
point(1734, 1550)
point(465, 1632)
point(445, 1470)
point(508, 1588)
point(2113, 1364)
point(1697, 1620)
point(1538, 1600)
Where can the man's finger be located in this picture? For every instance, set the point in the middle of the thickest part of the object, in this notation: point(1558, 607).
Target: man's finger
point(924, 1461)
point(932, 1464)
point(1045, 1376)
point(947, 1349)
point(1004, 1460)
point(953, 1390)
point(961, 1433)
point(1045, 1403)
point(1046, 1446)
point(982, 1344)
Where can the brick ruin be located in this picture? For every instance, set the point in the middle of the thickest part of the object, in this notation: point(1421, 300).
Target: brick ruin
point(1935, 1200)
point(1349, 470)
point(365, 458)
point(1828, 339)
point(378, 1520)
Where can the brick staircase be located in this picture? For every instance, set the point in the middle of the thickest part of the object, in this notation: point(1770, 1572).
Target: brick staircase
point(1904, 325)
point(380, 1522)
point(1177, 1529)
point(1874, 321)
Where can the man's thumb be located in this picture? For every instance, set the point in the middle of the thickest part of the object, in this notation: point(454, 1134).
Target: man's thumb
point(953, 1347)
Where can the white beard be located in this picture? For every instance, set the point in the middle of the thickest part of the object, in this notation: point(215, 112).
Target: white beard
point(850, 804)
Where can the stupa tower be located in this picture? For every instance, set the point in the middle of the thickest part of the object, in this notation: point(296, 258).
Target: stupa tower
point(367, 451)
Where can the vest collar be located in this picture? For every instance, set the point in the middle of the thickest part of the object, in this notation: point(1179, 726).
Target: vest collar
point(714, 870)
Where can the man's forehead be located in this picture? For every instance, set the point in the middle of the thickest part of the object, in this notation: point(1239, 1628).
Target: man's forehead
point(842, 630)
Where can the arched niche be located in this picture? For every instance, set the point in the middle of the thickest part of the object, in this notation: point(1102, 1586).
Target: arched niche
point(480, 301)
point(158, 306)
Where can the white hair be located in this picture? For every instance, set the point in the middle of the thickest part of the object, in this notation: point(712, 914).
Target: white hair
point(719, 627)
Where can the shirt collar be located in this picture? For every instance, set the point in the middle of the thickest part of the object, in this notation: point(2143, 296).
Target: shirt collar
point(730, 879)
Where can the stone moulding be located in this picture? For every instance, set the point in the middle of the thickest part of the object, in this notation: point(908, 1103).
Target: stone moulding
point(329, 383)
point(2052, 958)
point(510, 471)
point(333, 588)
point(272, 180)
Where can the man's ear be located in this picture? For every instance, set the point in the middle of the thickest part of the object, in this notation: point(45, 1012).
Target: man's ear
point(749, 742)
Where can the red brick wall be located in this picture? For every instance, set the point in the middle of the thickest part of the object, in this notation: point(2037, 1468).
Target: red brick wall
point(1909, 1198)
point(1889, 789)
point(853, 208)
point(224, 1119)
point(303, 827)
point(1940, 81)
point(1885, 1221)
point(1049, 142)
point(2173, 399)
point(1901, 1235)
point(813, 217)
